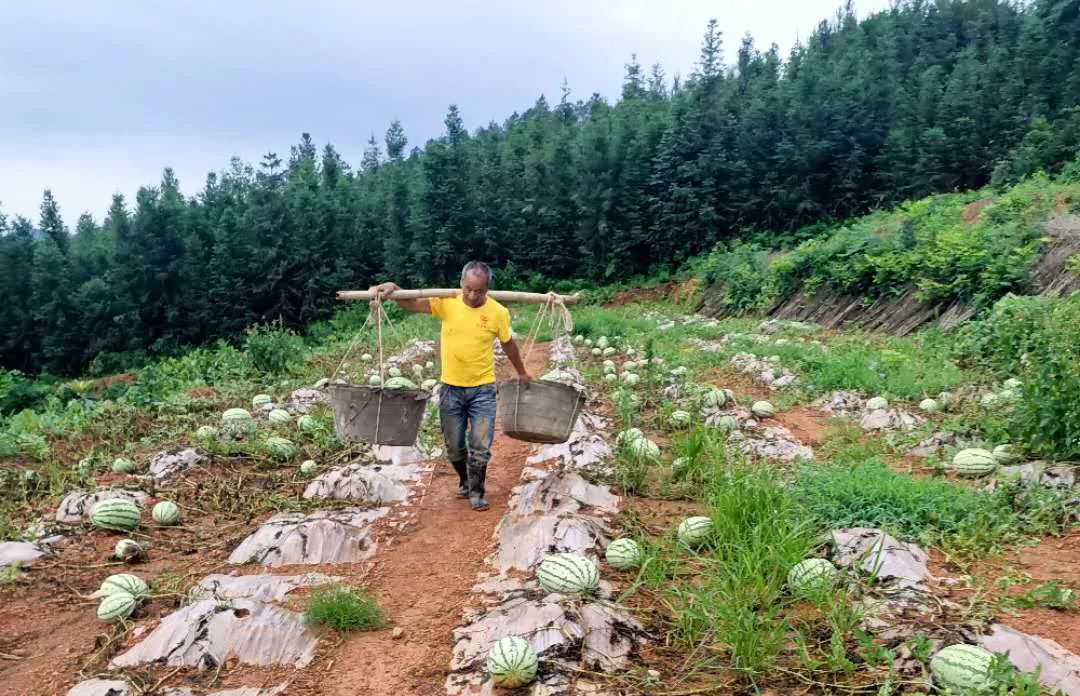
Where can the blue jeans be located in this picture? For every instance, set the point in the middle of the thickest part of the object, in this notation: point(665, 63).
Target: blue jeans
point(468, 410)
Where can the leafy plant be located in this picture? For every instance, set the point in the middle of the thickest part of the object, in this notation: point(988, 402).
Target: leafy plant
point(272, 348)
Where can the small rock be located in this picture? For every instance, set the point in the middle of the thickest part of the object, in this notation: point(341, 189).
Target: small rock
point(655, 674)
point(397, 633)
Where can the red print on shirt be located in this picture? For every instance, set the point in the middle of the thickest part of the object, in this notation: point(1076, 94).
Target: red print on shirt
point(483, 321)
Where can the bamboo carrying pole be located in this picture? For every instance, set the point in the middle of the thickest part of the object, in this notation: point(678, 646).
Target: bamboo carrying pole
point(497, 295)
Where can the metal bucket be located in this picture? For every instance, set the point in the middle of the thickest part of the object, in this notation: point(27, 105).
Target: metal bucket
point(377, 415)
point(543, 412)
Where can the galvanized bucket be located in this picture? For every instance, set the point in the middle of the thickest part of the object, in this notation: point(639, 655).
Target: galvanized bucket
point(377, 415)
point(543, 412)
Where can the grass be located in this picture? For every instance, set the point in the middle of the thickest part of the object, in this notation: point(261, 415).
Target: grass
point(344, 609)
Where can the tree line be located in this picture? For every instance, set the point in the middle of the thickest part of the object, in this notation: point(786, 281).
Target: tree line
point(922, 98)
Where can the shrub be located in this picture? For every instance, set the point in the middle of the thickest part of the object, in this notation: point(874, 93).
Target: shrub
point(273, 348)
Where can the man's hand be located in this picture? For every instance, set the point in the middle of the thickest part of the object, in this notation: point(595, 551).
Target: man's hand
point(524, 378)
point(384, 290)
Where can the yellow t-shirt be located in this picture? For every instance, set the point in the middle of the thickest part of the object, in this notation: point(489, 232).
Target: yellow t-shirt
point(467, 356)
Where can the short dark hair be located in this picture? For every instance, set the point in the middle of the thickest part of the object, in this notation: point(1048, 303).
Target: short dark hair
point(477, 267)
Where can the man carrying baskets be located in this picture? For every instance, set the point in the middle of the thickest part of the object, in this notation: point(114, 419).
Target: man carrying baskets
point(470, 321)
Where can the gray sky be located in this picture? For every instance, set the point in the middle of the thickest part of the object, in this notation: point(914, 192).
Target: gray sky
point(97, 97)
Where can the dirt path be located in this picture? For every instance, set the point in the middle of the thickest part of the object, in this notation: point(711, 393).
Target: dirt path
point(423, 582)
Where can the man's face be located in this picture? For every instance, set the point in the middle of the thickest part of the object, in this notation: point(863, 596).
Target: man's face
point(474, 288)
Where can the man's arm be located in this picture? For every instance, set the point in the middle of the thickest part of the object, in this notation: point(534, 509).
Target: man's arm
point(511, 350)
point(386, 290)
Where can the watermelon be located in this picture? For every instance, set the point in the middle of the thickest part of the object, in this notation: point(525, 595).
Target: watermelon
point(279, 415)
point(610, 369)
point(763, 409)
point(811, 575)
point(429, 366)
point(609, 364)
point(877, 403)
point(511, 662)
point(578, 340)
point(928, 405)
point(945, 399)
point(962, 667)
point(123, 582)
point(366, 357)
point(694, 530)
point(307, 423)
point(679, 419)
point(559, 376)
point(127, 550)
point(399, 382)
point(629, 366)
point(611, 377)
point(588, 343)
point(121, 465)
point(679, 465)
point(119, 605)
point(418, 371)
point(260, 400)
point(974, 462)
point(374, 380)
point(602, 342)
point(568, 573)
point(630, 379)
point(628, 435)
point(115, 513)
point(236, 416)
point(166, 513)
point(624, 554)
point(308, 467)
point(607, 352)
point(280, 448)
point(428, 385)
point(725, 424)
point(597, 352)
point(643, 448)
point(393, 372)
point(1004, 455)
point(713, 398)
point(206, 432)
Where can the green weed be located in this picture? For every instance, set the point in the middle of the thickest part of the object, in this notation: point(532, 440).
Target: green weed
point(344, 609)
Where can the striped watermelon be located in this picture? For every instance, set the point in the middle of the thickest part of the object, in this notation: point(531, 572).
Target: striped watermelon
point(393, 372)
point(713, 398)
point(119, 605)
point(125, 583)
point(121, 465)
point(725, 423)
point(279, 415)
point(166, 513)
point(578, 340)
point(624, 554)
point(206, 432)
point(366, 357)
point(627, 436)
point(629, 378)
point(280, 448)
point(596, 352)
point(679, 419)
point(877, 403)
point(611, 377)
point(307, 423)
point(763, 409)
point(643, 448)
point(428, 385)
point(962, 667)
point(308, 467)
point(236, 416)
point(569, 573)
point(429, 366)
point(811, 574)
point(602, 342)
point(928, 405)
point(974, 462)
point(1005, 455)
point(679, 466)
point(694, 530)
point(511, 662)
point(115, 513)
point(260, 400)
point(400, 382)
point(374, 381)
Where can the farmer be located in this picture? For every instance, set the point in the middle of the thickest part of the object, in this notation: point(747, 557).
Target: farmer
point(470, 321)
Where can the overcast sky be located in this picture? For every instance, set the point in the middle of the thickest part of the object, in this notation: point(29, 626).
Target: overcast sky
point(97, 97)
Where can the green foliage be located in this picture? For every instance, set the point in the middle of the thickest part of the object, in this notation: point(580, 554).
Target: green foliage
point(929, 245)
point(344, 609)
point(1034, 339)
point(18, 392)
point(1051, 595)
point(272, 348)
